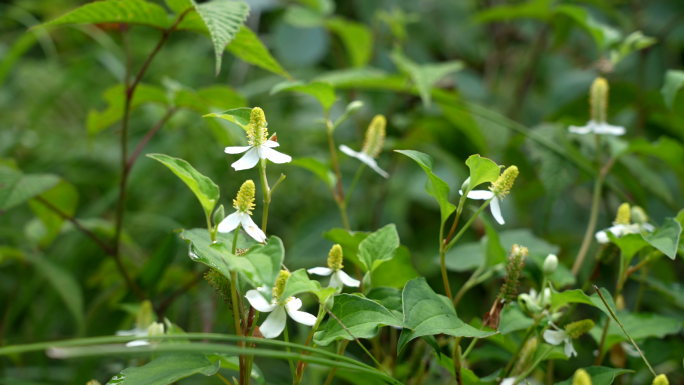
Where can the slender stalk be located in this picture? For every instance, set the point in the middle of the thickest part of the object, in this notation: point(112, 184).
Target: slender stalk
point(468, 349)
point(591, 228)
point(355, 181)
point(266, 191)
point(340, 351)
point(223, 379)
point(529, 333)
point(459, 210)
point(333, 156)
point(143, 142)
point(612, 314)
point(604, 334)
point(235, 239)
point(457, 361)
point(301, 365)
point(533, 366)
point(442, 262)
point(467, 225)
point(286, 336)
point(236, 318)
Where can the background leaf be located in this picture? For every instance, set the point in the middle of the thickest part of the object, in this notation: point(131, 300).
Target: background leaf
point(167, 369)
point(116, 11)
point(323, 92)
point(378, 247)
point(666, 237)
point(17, 188)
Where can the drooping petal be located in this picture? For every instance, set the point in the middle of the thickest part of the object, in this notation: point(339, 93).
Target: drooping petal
point(229, 223)
point(374, 165)
point(347, 280)
point(479, 194)
point(324, 271)
point(602, 237)
point(349, 151)
point(293, 303)
point(335, 282)
point(648, 227)
point(583, 129)
point(237, 149)
point(273, 155)
point(608, 129)
point(252, 229)
point(271, 144)
point(300, 316)
point(569, 349)
point(496, 210)
point(259, 302)
point(274, 324)
point(249, 160)
point(555, 337)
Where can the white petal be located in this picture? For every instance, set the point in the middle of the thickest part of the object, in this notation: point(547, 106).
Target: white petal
point(555, 337)
point(137, 343)
point(508, 381)
point(349, 151)
point(619, 230)
point(583, 129)
point(274, 324)
point(602, 237)
point(302, 317)
point(249, 160)
point(347, 280)
point(252, 229)
point(605, 128)
point(569, 349)
point(335, 282)
point(374, 165)
point(229, 223)
point(648, 227)
point(480, 194)
point(324, 271)
point(259, 302)
point(271, 143)
point(237, 149)
point(274, 156)
point(496, 210)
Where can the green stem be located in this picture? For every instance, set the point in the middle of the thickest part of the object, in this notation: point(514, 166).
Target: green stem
point(266, 191)
point(612, 314)
point(235, 239)
point(442, 262)
point(467, 225)
point(591, 228)
point(466, 286)
point(340, 351)
point(236, 317)
point(220, 376)
point(533, 366)
point(301, 365)
point(457, 361)
point(529, 333)
point(354, 183)
point(286, 336)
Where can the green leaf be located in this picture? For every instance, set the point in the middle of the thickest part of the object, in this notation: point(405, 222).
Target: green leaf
point(648, 178)
point(554, 171)
point(600, 375)
point(434, 185)
point(115, 97)
point(674, 81)
point(203, 99)
point(239, 116)
point(223, 20)
point(378, 247)
point(596, 300)
point(65, 198)
point(299, 283)
point(356, 38)
point(17, 187)
point(395, 272)
point(116, 11)
point(388, 297)
point(363, 317)
point(323, 92)
point(430, 314)
point(639, 326)
point(64, 283)
point(513, 319)
point(349, 240)
point(250, 49)
point(167, 369)
point(425, 76)
point(466, 256)
point(666, 237)
point(179, 6)
point(260, 265)
point(628, 244)
point(533, 9)
point(233, 363)
point(604, 36)
point(204, 188)
point(482, 170)
point(563, 298)
point(672, 290)
point(322, 171)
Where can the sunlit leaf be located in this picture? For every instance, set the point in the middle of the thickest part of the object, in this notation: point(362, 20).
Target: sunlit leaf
point(167, 369)
point(666, 237)
point(250, 49)
point(239, 116)
point(322, 171)
point(533, 9)
point(299, 283)
point(482, 170)
point(378, 247)
point(179, 6)
point(116, 11)
point(425, 76)
point(395, 272)
point(674, 81)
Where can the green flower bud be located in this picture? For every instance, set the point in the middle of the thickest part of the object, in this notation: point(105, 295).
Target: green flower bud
point(244, 202)
point(375, 136)
point(257, 133)
point(93, 382)
point(145, 315)
point(581, 378)
point(335, 258)
point(466, 185)
point(353, 107)
point(576, 329)
point(503, 185)
point(219, 214)
point(639, 215)
point(623, 214)
point(598, 100)
point(221, 285)
point(550, 264)
point(280, 283)
point(526, 356)
point(528, 304)
point(155, 329)
point(661, 379)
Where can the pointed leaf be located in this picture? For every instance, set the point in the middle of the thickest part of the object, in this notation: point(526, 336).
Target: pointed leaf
point(378, 247)
point(17, 187)
point(482, 170)
point(674, 81)
point(239, 116)
point(322, 171)
point(666, 237)
point(425, 76)
point(299, 283)
point(356, 38)
point(361, 316)
point(115, 98)
point(179, 6)
point(167, 369)
point(116, 11)
point(250, 49)
point(323, 92)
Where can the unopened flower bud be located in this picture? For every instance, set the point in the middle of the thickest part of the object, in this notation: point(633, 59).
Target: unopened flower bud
point(550, 264)
point(639, 215)
point(145, 315)
point(375, 136)
point(620, 302)
point(354, 107)
point(279, 286)
point(581, 377)
point(661, 379)
point(329, 302)
point(335, 258)
point(93, 382)
point(245, 198)
point(623, 214)
point(465, 186)
point(219, 214)
point(155, 329)
point(503, 184)
point(577, 329)
point(598, 100)
point(528, 304)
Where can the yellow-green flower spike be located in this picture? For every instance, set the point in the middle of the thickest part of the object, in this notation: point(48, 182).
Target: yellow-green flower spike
point(526, 356)
point(623, 214)
point(280, 282)
point(245, 198)
point(375, 136)
point(661, 379)
point(598, 100)
point(93, 382)
point(639, 215)
point(145, 315)
point(581, 378)
point(257, 132)
point(577, 329)
point(335, 258)
point(503, 185)
point(516, 262)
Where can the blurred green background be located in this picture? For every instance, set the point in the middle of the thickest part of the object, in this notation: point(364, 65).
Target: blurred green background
point(521, 62)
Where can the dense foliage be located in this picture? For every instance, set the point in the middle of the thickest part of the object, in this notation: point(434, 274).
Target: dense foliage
point(319, 191)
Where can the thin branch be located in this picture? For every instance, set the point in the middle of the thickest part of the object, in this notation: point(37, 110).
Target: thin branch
point(153, 131)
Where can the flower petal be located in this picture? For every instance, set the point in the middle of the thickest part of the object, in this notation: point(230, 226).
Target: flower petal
point(349, 151)
point(347, 280)
point(293, 303)
point(274, 156)
point(135, 343)
point(252, 229)
point(583, 129)
point(508, 381)
point(300, 316)
point(259, 302)
point(374, 165)
point(602, 237)
point(237, 149)
point(480, 194)
point(555, 337)
point(324, 271)
point(569, 349)
point(496, 210)
point(274, 324)
point(335, 282)
point(648, 227)
point(249, 160)
point(229, 223)
point(608, 129)
point(271, 144)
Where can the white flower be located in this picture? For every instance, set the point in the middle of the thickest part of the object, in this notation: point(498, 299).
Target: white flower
point(155, 328)
point(365, 158)
point(498, 190)
point(260, 147)
point(533, 302)
point(338, 279)
point(487, 195)
point(621, 229)
point(275, 322)
point(557, 337)
point(244, 203)
point(600, 128)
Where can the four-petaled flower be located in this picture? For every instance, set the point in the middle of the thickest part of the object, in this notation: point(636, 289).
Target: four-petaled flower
point(497, 191)
point(622, 225)
point(260, 146)
point(244, 203)
point(598, 100)
point(557, 337)
point(339, 278)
